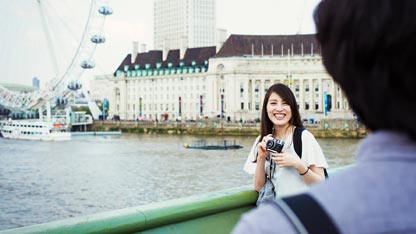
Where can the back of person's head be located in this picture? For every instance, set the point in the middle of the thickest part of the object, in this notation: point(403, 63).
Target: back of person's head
point(368, 47)
point(287, 95)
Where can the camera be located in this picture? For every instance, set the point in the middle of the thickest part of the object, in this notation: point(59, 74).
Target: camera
point(275, 145)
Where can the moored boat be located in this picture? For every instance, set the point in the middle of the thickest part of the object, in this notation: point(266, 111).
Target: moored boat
point(35, 130)
point(203, 144)
point(2, 123)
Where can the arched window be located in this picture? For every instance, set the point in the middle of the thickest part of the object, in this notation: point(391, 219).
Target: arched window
point(220, 68)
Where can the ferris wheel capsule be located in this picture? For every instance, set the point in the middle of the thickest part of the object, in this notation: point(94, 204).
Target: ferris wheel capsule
point(87, 64)
point(105, 10)
point(61, 101)
point(98, 39)
point(73, 85)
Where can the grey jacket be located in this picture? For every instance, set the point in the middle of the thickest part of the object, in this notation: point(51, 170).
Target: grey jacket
point(377, 195)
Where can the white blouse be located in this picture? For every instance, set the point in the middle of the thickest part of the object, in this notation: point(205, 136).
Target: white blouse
point(287, 180)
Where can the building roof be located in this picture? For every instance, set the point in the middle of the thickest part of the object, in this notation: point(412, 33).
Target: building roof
point(244, 45)
point(151, 58)
point(173, 57)
point(199, 55)
point(234, 46)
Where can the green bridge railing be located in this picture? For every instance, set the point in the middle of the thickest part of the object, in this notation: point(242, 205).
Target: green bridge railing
point(215, 212)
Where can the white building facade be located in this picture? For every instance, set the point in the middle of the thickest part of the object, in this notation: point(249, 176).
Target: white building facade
point(230, 84)
point(238, 84)
point(181, 24)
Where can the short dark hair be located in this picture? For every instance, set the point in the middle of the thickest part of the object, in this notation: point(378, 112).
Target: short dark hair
point(368, 47)
point(287, 95)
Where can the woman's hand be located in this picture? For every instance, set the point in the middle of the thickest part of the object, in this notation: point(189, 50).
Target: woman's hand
point(311, 174)
point(285, 159)
point(262, 153)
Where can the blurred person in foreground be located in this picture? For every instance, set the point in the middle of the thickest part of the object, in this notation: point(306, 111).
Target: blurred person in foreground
point(368, 47)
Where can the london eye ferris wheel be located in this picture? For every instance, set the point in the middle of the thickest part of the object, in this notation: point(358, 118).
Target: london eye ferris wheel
point(52, 40)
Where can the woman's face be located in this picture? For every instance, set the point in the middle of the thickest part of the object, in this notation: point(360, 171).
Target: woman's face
point(278, 110)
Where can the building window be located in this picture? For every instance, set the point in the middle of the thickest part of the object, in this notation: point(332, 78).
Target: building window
point(242, 106)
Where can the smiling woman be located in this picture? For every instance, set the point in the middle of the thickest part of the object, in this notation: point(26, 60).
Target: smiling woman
point(288, 171)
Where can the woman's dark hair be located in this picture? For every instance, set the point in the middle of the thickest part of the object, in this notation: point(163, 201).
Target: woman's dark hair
point(286, 94)
point(368, 47)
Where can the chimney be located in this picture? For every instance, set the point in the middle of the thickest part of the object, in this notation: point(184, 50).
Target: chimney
point(292, 49)
point(183, 48)
point(252, 50)
point(182, 52)
point(165, 50)
point(134, 51)
point(165, 54)
point(301, 46)
point(143, 48)
point(221, 37)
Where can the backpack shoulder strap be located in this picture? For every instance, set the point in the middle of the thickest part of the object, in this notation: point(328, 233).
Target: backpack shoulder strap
point(297, 140)
point(297, 144)
point(306, 214)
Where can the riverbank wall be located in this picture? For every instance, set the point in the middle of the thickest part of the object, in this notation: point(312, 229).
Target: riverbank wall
point(333, 128)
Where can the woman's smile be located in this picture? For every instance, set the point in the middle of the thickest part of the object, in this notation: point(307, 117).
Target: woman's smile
point(278, 110)
point(279, 116)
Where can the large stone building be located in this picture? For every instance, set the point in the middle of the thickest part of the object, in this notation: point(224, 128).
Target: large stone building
point(181, 24)
point(230, 83)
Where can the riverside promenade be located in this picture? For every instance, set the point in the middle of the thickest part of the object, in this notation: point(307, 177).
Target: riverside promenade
point(327, 128)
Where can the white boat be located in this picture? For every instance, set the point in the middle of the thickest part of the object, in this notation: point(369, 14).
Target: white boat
point(35, 130)
point(2, 123)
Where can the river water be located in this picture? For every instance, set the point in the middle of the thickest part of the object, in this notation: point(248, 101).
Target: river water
point(47, 181)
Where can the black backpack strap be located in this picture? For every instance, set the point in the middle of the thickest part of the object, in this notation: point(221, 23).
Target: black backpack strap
point(297, 144)
point(309, 214)
point(297, 140)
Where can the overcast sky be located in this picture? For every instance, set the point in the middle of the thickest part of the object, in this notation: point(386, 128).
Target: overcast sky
point(25, 54)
